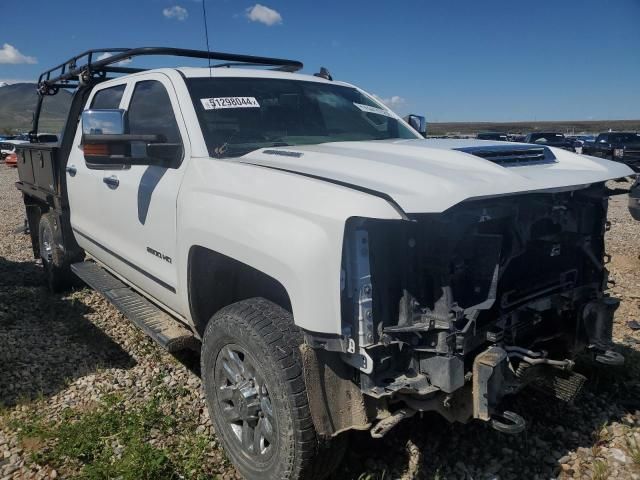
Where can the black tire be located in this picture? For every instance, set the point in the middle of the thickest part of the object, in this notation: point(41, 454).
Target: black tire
point(264, 337)
point(57, 271)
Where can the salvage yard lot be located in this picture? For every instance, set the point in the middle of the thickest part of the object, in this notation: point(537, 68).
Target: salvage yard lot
point(84, 394)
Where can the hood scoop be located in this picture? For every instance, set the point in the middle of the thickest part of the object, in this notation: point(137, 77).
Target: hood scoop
point(512, 155)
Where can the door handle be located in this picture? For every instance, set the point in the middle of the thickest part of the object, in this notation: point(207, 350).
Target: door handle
point(112, 182)
point(71, 170)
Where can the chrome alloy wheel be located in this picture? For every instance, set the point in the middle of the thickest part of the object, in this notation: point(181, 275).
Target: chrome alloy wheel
point(46, 246)
point(244, 401)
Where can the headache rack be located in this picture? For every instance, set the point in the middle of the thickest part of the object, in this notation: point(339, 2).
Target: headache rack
point(88, 68)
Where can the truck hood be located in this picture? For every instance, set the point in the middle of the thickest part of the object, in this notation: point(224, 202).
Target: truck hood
point(424, 176)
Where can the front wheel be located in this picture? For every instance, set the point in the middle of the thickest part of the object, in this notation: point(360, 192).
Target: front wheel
point(255, 390)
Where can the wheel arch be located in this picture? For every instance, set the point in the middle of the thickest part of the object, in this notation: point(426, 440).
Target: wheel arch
point(215, 280)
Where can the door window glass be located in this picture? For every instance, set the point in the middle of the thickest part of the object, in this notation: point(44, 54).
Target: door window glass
point(151, 113)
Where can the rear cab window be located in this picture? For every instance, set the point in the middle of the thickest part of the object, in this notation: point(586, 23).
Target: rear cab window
point(108, 98)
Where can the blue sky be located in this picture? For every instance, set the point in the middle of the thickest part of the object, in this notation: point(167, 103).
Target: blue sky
point(464, 60)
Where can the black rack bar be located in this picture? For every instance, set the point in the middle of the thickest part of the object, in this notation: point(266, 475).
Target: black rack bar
point(244, 64)
point(84, 63)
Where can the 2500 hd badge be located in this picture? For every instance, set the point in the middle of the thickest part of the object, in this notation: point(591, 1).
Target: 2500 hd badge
point(158, 254)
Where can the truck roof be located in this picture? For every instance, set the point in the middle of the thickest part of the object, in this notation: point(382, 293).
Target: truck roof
point(196, 72)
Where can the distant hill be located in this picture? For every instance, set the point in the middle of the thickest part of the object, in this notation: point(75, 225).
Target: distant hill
point(566, 126)
point(18, 102)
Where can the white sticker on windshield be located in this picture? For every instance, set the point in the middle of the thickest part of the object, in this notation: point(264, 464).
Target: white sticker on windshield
point(229, 102)
point(370, 109)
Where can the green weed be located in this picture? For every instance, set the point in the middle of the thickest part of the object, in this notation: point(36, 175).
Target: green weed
point(112, 441)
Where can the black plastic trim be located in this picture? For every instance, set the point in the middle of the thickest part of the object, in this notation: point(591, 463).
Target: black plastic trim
point(512, 155)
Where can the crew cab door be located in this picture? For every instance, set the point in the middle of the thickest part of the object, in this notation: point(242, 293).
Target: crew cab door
point(82, 177)
point(135, 209)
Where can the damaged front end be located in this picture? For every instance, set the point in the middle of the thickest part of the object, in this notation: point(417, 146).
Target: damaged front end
point(451, 312)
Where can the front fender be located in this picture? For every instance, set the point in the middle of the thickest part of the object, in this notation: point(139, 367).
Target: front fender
point(285, 225)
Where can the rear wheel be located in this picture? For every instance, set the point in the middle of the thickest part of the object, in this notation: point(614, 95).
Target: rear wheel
point(57, 271)
point(257, 399)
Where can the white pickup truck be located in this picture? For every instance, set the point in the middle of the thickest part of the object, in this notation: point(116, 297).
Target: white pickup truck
point(335, 270)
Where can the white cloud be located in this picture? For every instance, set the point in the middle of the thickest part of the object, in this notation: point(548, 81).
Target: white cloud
point(107, 55)
point(262, 14)
point(10, 54)
point(177, 12)
point(392, 102)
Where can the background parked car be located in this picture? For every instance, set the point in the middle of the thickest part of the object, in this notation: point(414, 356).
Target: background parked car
point(9, 146)
point(619, 146)
point(47, 138)
point(11, 160)
point(500, 137)
point(580, 140)
point(552, 139)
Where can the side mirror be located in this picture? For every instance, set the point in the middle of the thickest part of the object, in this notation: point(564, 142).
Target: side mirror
point(418, 123)
point(106, 141)
point(104, 122)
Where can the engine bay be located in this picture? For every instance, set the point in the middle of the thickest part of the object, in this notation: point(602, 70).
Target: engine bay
point(513, 282)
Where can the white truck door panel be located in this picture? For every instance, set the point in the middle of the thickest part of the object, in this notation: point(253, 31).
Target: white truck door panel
point(82, 179)
point(134, 223)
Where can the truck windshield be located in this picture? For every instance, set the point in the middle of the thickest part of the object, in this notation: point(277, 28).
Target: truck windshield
point(239, 115)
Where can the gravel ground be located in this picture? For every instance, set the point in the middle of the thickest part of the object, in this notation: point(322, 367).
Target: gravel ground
point(70, 353)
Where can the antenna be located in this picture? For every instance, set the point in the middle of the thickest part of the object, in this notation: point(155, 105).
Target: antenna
point(206, 33)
